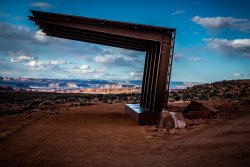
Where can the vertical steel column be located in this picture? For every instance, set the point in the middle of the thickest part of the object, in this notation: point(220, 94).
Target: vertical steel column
point(171, 56)
point(162, 71)
point(145, 78)
point(142, 99)
point(155, 72)
point(150, 78)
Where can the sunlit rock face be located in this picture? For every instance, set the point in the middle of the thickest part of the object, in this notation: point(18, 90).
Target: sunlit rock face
point(179, 120)
point(72, 85)
point(170, 120)
point(54, 85)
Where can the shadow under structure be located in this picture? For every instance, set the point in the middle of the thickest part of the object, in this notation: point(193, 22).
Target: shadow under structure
point(157, 42)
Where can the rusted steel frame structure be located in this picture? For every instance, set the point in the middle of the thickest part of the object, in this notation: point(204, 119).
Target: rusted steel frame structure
point(157, 42)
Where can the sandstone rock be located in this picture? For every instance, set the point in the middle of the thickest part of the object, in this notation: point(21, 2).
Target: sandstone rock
point(166, 120)
point(171, 120)
point(196, 110)
point(198, 115)
point(178, 119)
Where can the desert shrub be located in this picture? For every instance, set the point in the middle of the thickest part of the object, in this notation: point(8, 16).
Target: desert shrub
point(85, 104)
point(9, 112)
point(228, 95)
point(177, 97)
point(25, 108)
point(35, 102)
point(105, 100)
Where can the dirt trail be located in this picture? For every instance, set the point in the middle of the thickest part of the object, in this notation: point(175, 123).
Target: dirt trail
point(103, 135)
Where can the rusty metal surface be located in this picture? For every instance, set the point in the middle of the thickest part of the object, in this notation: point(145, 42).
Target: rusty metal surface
point(157, 42)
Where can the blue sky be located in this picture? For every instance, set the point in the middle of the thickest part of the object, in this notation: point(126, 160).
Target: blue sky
point(212, 42)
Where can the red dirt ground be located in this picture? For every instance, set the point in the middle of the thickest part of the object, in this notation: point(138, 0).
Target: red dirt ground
point(103, 135)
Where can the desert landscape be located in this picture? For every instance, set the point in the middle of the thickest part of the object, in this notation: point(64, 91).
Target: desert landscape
point(124, 83)
point(93, 130)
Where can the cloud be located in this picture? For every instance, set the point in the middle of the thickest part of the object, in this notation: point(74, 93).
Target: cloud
point(85, 68)
point(136, 75)
point(89, 72)
point(57, 62)
point(242, 75)
point(116, 60)
point(178, 57)
point(236, 74)
point(38, 65)
point(19, 38)
point(45, 65)
point(119, 57)
point(195, 59)
point(53, 54)
point(230, 47)
point(178, 12)
point(184, 85)
point(223, 22)
point(41, 5)
point(40, 36)
point(22, 58)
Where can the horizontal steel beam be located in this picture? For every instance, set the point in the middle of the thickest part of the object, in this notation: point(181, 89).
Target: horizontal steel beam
point(112, 27)
point(104, 29)
point(91, 40)
point(141, 45)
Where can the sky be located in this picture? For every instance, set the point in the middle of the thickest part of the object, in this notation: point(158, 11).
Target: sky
point(212, 41)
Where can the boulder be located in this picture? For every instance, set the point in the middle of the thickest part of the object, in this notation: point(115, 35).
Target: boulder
point(198, 110)
point(179, 119)
point(166, 120)
point(170, 120)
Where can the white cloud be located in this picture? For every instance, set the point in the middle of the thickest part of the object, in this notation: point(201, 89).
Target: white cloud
point(85, 68)
point(121, 60)
point(82, 69)
point(41, 5)
point(45, 65)
point(242, 75)
point(40, 36)
point(178, 12)
point(195, 59)
point(185, 85)
point(236, 74)
point(136, 75)
point(87, 71)
point(223, 22)
point(105, 58)
point(38, 65)
point(21, 58)
point(231, 47)
point(57, 62)
point(120, 57)
point(178, 57)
